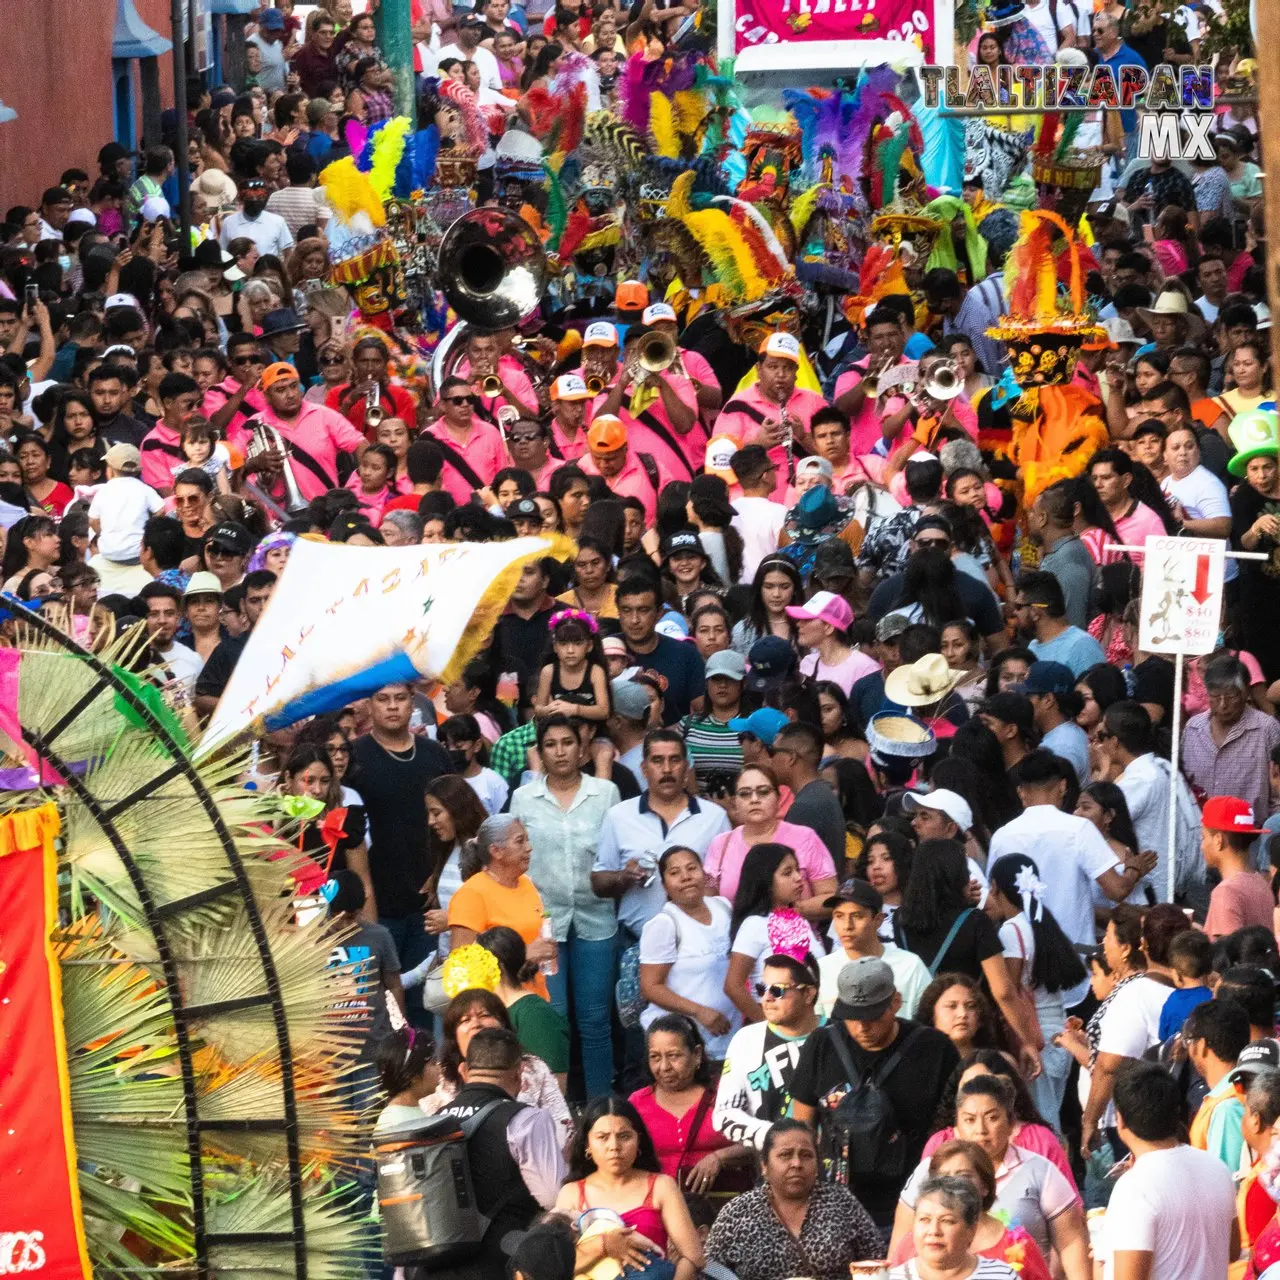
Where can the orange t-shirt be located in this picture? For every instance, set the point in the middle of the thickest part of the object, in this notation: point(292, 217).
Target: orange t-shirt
point(482, 903)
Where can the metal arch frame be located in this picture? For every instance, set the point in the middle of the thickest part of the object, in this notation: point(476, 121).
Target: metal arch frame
point(156, 917)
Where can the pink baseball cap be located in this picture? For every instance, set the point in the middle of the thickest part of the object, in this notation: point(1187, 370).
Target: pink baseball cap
point(824, 606)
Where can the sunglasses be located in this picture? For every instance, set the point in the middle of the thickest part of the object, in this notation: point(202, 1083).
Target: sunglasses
point(943, 543)
point(329, 362)
point(753, 793)
point(459, 400)
point(524, 437)
point(246, 360)
point(776, 990)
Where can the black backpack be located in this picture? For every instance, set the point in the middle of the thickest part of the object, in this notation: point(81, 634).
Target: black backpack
point(861, 1135)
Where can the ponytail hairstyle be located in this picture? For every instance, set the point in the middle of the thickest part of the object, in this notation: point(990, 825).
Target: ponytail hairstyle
point(507, 948)
point(402, 1056)
point(1056, 966)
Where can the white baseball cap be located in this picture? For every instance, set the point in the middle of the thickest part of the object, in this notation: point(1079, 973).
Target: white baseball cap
point(83, 215)
point(719, 457)
point(600, 333)
point(656, 311)
point(784, 345)
point(952, 803)
point(122, 300)
point(568, 386)
point(154, 207)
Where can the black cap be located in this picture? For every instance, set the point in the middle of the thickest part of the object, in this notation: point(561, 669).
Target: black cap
point(234, 537)
point(859, 892)
point(685, 541)
point(544, 1252)
point(770, 660)
point(283, 320)
point(524, 509)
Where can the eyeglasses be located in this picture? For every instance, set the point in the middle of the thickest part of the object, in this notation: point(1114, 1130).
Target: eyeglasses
point(776, 990)
point(754, 793)
point(524, 437)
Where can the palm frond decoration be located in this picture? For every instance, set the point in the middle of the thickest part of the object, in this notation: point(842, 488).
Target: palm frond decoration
point(210, 1036)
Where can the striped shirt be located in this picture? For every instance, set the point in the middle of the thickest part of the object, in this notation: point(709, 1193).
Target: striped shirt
point(710, 746)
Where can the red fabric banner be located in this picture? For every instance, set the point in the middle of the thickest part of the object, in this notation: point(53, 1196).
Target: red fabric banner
point(40, 1227)
point(792, 21)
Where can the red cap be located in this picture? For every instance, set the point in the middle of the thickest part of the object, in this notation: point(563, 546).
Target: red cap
point(1228, 813)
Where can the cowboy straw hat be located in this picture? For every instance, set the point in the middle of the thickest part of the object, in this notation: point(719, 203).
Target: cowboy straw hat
point(1173, 302)
point(923, 683)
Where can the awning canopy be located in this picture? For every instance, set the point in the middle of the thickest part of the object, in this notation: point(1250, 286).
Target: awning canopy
point(132, 37)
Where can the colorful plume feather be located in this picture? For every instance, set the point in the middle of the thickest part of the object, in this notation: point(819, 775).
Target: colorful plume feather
point(633, 94)
point(557, 209)
point(662, 126)
point(351, 193)
point(1070, 127)
point(364, 160)
point(426, 146)
point(388, 147)
point(355, 134)
point(802, 207)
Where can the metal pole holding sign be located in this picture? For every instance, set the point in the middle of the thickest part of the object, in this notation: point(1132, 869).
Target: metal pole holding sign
point(1182, 584)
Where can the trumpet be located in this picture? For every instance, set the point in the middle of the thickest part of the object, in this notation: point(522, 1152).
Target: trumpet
point(943, 382)
point(657, 353)
point(265, 439)
point(374, 413)
point(490, 385)
point(595, 385)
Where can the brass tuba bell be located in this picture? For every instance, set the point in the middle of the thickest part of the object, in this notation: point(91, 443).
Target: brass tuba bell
point(657, 353)
point(492, 268)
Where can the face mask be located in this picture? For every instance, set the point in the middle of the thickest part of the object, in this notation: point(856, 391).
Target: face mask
point(254, 207)
point(458, 758)
point(64, 261)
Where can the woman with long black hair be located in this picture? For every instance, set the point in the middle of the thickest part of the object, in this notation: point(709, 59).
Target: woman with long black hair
point(930, 593)
point(776, 585)
point(938, 922)
point(708, 510)
point(1041, 961)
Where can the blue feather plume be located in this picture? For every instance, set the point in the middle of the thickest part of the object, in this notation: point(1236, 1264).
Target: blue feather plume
point(364, 161)
point(426, 146)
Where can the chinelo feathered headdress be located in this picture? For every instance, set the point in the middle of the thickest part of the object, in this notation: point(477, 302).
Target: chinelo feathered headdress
point(559, 111)
point(1034, 303)
point(879, 276)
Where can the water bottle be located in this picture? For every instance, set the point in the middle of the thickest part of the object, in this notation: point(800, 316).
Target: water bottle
point(548, 968)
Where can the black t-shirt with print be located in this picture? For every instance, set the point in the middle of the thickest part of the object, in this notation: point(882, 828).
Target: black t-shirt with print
point(913, 1088)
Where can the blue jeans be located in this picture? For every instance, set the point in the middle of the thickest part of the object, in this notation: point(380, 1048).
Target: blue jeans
point(588, 968)
point(413, 945)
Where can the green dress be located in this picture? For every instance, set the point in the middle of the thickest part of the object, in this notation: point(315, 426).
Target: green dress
point(541, 1031)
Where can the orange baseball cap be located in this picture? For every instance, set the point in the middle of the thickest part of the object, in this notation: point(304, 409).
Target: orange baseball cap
point(277, 372)
point(569, 386)
point(606, 434)
point(631, 295)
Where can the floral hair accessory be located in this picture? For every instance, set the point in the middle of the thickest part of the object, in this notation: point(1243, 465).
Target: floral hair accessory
point(468, 967)
point(1031, 890)
point(573, 615)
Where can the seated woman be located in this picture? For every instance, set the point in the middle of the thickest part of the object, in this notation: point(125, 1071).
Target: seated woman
point(1028, 1188)
point(793, 1224)
point(944, 1231)
point(466, 1014)
point(684, 953)
point(994, 1238)
point(1031, 1131)
point(613, 1165)
point(689, 1150)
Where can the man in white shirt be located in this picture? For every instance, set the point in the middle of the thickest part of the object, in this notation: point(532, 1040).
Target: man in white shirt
point(759, 520)
point(1070, 853)
point(857, 912)
point(269, 231)
point(469, 49)
point(164, 615)
point(1172, 1215)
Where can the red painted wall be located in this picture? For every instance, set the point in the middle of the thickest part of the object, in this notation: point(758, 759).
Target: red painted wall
point(55, 72)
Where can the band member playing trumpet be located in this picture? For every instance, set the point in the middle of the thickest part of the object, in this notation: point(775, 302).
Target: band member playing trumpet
point(313, 436)
point(371, 367)
point(497, 380)
point(570, 400)
point(660, 317)
point(658, 406)
point(873, 420)
point(773, 411)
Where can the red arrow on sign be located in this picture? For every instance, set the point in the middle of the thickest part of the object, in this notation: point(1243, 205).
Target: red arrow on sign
point(1200, 592)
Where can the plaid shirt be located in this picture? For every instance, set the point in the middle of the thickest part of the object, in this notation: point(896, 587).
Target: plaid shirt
point(509, 753)
point(1239, 767)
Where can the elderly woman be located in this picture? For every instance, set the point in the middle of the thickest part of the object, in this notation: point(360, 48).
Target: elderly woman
point(994, 1239)
point(946, 1224)
point(1029, 1188)
point(793, 1224)
point(501, 893)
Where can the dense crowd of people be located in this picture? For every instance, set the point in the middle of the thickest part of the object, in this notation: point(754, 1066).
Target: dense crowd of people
point(789, 886)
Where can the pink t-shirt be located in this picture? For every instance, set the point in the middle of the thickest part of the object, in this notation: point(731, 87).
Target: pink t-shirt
point(631, 482)
point(1136, 527)
point(865, 435)
point(571, 447)
point(372, 505)
point(221, 392)
point(728, 851)
point(1240, 900)
point(681, 462)
point(747, 429)
point(483, 452)
point(854, 667)
point(670, 1135)
point(1031, 1137)
point(161, 449)
point(316, 437)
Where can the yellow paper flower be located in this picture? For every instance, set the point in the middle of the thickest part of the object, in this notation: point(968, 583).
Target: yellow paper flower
point(468, 968)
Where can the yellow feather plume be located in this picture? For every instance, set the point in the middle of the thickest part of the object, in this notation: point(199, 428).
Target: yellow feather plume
point(802, 207)
point(681, 189)
point(662, 126)
point(388, 148)
point(350, 192)
point(690, 111)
